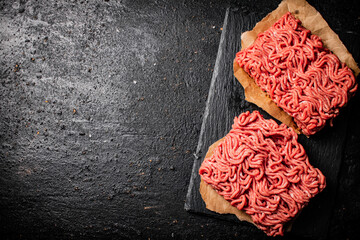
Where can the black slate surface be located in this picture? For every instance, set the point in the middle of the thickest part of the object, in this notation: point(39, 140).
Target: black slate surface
point(226, 100)
point(138, 74)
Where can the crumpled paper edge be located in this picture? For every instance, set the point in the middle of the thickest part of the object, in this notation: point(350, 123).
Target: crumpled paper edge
point(255, 95)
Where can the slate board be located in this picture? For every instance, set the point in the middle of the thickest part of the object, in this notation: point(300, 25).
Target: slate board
point(226, 100)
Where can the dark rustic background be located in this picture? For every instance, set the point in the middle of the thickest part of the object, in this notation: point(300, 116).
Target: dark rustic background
point(100, 113)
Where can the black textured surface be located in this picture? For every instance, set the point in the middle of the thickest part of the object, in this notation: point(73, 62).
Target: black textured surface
point(137, 74)
point(226, 100)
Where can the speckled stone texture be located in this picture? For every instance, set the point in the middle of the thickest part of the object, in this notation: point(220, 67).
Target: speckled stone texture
point(100, 111)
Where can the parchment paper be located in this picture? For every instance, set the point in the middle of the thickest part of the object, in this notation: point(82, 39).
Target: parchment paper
point(312, 20)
